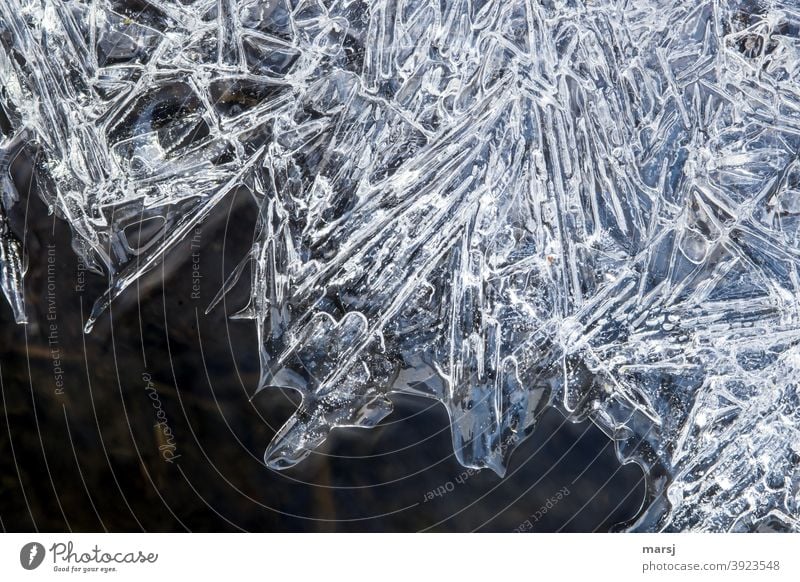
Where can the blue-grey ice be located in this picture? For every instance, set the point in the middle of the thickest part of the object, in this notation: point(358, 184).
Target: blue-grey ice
point(503, 205)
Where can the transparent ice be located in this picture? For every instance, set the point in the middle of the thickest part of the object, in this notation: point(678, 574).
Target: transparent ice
point(503, 205)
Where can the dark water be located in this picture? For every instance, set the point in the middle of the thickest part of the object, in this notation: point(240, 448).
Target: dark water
point(83, 446)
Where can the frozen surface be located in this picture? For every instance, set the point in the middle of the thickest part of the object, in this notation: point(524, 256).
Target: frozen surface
point(499, 204)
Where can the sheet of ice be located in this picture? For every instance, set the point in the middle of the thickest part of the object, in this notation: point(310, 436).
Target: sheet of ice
point(500, 204)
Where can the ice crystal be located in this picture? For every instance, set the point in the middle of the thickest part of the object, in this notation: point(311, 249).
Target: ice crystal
point(503, 205)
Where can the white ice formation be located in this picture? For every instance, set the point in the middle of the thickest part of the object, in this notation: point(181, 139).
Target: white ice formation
point(503, 205)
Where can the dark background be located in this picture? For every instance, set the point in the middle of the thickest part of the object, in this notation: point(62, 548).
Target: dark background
point(88, 459)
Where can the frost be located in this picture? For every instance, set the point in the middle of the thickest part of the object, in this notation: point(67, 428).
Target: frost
point(500, 204)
